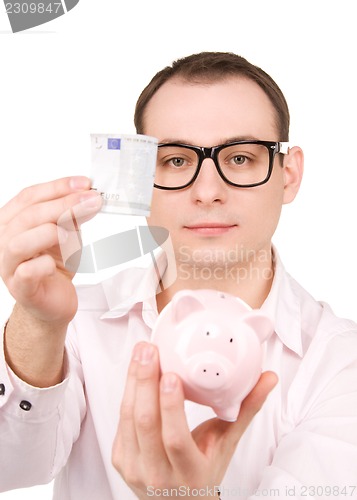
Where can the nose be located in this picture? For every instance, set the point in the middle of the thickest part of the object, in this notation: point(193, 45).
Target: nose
point(209, 187)
point(208, 374)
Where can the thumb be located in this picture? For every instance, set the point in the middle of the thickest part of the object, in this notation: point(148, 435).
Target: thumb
point(253, 402)
point(257, 396)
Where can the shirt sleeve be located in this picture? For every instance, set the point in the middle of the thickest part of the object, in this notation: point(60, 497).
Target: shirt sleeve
point(38, 426)
point(317, 456)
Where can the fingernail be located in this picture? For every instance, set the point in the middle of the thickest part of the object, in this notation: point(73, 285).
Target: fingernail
point(144, 353)
point(91, 199)
point(78, 183)
point(168, 382)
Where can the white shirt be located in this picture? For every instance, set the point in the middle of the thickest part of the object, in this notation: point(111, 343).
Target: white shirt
point(302, 444)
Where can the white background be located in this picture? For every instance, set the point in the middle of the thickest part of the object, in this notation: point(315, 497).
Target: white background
point(83, 72)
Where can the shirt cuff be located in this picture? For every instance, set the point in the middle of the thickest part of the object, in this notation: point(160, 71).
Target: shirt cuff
point(24, 401)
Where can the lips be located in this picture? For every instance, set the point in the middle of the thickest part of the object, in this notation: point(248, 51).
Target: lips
point(209, 224)
point(210, 228)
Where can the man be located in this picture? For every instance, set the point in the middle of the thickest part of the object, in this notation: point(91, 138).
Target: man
point(220, 184)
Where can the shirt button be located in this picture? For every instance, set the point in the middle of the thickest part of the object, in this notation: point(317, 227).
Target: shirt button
point(25, 405)
point(2, 389)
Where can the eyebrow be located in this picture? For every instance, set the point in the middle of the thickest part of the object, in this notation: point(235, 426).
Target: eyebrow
point(222, 142)
point(241, 138)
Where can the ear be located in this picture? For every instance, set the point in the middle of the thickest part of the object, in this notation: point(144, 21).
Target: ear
point(261, 324)
point(293, 169)
point(184, 303)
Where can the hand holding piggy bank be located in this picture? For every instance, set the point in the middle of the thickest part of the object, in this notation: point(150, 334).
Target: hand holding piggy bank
point(213, 341)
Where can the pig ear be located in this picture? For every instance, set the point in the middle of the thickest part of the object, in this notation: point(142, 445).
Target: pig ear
point(261, 324)
point(185, 303)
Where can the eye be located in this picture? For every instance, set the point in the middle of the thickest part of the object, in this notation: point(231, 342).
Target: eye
point(239, 159)
point(176, 162)
point(231, 340)
point(174, 157)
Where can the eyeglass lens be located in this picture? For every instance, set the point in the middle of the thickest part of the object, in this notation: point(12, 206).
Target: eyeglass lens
point(242, 164)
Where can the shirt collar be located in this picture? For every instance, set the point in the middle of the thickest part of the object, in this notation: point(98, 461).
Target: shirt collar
point(141, 284)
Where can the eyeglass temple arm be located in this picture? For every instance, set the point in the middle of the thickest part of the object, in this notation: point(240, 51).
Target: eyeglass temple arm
point(284, 147)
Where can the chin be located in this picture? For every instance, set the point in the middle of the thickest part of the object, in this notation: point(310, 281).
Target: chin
point(206, 255)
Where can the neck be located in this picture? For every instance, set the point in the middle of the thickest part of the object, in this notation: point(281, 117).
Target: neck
point(249, 279)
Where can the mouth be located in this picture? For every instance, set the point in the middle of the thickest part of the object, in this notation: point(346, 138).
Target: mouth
point(210, 228)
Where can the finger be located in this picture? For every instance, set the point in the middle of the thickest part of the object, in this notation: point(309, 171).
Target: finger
point(29, 275)
point(27, 245)
point(255, 399)
point(69, 225)
point(41, 193)
point(252, 404)
point(76, 214)
point(126, 443)
point(218, 439)
point(147, 406)
point(177, 439)
point(54, 210)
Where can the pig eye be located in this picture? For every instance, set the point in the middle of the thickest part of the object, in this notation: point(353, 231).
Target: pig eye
point(207, 333)
point(231, 340)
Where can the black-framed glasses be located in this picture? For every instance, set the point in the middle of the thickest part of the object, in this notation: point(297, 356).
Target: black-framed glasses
point(242, 164)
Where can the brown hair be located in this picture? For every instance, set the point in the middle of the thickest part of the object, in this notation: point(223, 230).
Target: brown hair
point(207, 67)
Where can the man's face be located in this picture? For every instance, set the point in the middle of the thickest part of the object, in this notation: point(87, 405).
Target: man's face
point(211, 219)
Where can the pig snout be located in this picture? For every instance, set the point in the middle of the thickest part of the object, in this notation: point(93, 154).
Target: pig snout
point(209, 371)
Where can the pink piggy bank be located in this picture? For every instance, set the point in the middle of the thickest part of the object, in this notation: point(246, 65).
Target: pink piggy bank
point(213, 341)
